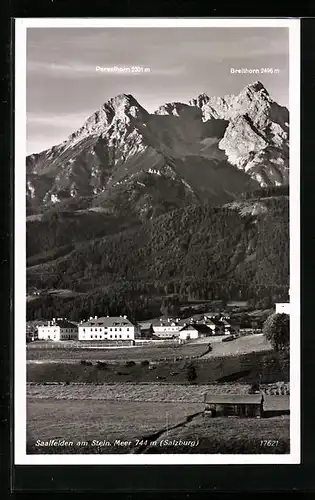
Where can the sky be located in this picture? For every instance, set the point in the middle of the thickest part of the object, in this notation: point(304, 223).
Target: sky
point(64, 87)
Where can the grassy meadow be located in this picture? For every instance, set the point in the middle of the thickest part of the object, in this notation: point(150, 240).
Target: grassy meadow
point(51, 351)
point(77, 420)
point(228, 435)
point(134, 421)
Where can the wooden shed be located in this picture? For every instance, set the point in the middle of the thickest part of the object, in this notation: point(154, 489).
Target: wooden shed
point(239, 405)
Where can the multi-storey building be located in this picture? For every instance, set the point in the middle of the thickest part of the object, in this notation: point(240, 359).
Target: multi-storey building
point(58, 329)
point(107, 328)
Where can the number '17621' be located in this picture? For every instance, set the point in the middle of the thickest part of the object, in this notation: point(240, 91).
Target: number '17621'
point(268, 443)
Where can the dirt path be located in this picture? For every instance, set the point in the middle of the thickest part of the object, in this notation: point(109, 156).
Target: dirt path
point(242, 345)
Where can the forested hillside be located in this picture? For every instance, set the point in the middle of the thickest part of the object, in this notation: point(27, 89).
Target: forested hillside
point(199, 252)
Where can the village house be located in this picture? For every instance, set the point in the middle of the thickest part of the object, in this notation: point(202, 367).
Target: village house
point(229, 327)
point(166, 327)
point(283, 308)
point(58, 329)
point(240, 405)
point(194, 331)
point(145, 329)
point(204, 319)
point(31, 333)
point(107, 328)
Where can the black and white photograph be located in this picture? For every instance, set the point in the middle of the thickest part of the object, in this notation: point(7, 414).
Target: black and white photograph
point(156, 241)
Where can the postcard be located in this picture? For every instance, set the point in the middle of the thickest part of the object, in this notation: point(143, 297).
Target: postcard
point(157, 286)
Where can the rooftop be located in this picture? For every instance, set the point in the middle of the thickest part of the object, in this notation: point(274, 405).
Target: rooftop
point(107, 321)
point(61, 322)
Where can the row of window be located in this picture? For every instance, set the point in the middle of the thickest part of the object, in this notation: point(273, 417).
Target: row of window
point(111, 336)
point(163, 334)
point(167, 328)
point(64, 337)
point(104, 328)
point(69, 330)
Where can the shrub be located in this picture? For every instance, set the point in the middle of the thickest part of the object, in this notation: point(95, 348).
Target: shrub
point(102, 365)
point(130, 363)
point(277, 331)
point(145, 362)
point(86, 363)
point(191, 373)
point(254, 388)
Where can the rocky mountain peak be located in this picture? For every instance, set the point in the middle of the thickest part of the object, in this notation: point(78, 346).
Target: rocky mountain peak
point(256, 87)
point(123, 107)
point(255, 92)
point(126, 105)
point(200, 100)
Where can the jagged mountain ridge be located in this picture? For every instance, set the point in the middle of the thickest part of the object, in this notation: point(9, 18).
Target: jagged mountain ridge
point(125, 158)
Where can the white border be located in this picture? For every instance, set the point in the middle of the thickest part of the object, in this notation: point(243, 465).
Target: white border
point(20, 457)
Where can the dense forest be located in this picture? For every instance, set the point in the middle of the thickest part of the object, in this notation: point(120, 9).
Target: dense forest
point(200, 252)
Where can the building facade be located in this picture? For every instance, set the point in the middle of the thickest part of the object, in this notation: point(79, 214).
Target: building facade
point(283, 308)
point(166, 328)
point(58, 329)
point(188, 332)
point(195, 331)
point(107, 328)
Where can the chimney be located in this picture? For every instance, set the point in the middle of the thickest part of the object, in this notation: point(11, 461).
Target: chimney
point(125, 317)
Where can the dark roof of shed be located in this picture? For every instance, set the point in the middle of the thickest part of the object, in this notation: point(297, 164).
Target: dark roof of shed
point(233, 398)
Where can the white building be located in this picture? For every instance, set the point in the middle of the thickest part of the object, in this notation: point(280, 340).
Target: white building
point(58, 329)
point(107, 328)
point(195, 331)
point(188, 332)
point(283, 308)
point(166, 328)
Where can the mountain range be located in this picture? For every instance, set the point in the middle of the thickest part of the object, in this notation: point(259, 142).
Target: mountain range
point(124, 159)
point(191, 200)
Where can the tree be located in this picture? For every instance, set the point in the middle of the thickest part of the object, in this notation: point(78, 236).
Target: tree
point(164, 308)
point(277, 331)
point(191, 372)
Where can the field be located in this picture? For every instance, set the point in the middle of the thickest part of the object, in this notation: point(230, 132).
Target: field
point(170, 393)
point(53, 351)
point(241, 345)
point(256, 367)
point(85, 394)
point(145, 413)
point(76, 420)
point(133, 392)
point(226, 435)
